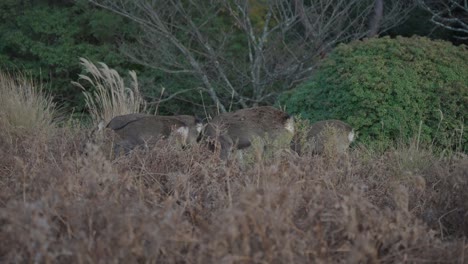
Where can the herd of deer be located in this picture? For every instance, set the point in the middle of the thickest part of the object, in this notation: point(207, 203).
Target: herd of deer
point(228, 131)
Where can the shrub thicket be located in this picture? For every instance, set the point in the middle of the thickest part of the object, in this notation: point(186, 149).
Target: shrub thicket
point(168, 205)
point(391, 89)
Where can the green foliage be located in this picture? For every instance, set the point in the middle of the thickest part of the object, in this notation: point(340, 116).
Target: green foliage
point(391, 89)
point(46, 40)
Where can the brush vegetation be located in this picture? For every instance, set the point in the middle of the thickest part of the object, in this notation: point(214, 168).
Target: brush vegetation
point(65, 202)
point(390, 89)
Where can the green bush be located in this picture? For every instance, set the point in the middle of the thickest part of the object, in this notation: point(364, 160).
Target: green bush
point(391, 89)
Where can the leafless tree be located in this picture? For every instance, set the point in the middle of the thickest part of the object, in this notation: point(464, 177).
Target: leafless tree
point(246, 52)
point(449, 14)
point(376, 19)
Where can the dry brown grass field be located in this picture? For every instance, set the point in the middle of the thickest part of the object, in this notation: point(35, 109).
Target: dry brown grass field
point(65, 199)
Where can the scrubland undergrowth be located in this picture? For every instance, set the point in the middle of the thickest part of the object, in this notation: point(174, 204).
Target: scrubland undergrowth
point(63, 201)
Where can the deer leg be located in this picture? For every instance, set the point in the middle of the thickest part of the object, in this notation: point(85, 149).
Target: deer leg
point(226, 147)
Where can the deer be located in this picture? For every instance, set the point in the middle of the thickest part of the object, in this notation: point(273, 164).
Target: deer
point(143, 130)
point(324, 137)
point(238, 129)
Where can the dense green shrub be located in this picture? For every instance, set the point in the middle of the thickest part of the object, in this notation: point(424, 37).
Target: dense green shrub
point(391, 89)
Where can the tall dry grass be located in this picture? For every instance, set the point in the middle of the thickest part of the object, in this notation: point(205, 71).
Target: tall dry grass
point(24, 107)
point(109, 96)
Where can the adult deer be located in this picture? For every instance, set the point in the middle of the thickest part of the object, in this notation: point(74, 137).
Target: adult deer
point(240, 128)
point(143, 129)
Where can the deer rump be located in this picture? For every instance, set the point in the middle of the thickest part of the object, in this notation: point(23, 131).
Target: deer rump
point(238, 129)
point(322, 134)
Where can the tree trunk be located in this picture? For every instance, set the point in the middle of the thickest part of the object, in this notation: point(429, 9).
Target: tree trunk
point(376, 19)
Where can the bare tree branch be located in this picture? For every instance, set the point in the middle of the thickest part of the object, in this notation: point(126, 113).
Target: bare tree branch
point(247, 52)
point(157, 101)
point(449, 14)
